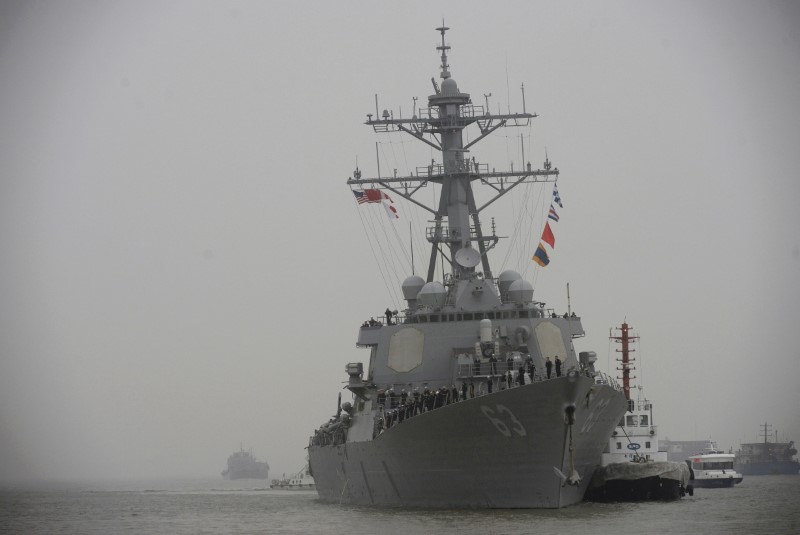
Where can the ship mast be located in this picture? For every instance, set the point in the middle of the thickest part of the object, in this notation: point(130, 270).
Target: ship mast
point(456, 232)
point(766, 432)
point(625, 339)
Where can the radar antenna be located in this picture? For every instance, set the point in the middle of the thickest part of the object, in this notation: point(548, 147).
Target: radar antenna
point(444, 48)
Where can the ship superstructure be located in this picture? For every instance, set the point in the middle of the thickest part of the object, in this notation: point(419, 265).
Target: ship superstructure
point(455, 406)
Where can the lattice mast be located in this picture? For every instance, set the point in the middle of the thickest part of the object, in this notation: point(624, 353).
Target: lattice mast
point(625, 339)
point(767, 432)
point(456, 218)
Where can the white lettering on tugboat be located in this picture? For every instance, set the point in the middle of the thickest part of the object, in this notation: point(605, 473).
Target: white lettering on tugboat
point(499, 416)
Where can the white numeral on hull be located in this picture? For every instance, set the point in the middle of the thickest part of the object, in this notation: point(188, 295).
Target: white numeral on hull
point(594, 415)
point(499, 416)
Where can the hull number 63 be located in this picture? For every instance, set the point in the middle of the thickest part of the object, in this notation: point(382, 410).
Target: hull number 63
point(504, 420)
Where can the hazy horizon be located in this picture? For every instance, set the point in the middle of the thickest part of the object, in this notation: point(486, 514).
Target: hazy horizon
point(184, 269)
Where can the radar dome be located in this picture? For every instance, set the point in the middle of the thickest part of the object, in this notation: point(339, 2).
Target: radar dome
point(411, 287)
point(449, 87)
point(520, 291)
point(505, 279)
point(433, 294)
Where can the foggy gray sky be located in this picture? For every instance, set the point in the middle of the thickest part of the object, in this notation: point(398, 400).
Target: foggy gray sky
point(183, 268)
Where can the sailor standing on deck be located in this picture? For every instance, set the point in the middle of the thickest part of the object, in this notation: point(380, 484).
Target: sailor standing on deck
point(558, 367)
point(549, 366)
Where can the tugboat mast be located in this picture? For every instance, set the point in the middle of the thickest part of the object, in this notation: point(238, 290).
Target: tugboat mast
point(625, 339)
point(456, 233)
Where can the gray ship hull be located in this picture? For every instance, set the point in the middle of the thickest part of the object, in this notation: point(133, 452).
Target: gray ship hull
point(509, 449)
point(764, 468)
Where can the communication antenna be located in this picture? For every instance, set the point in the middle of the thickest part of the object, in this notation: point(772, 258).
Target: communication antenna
point(378, 158)
point(569, 311)
point(411, 243)
point(523, 97)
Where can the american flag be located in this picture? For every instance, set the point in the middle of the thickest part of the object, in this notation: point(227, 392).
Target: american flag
point(370, 195)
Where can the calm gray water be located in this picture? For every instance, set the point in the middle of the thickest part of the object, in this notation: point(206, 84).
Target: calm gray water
point(765, 504)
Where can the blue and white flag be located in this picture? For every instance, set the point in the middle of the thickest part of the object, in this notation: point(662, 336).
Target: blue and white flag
point(556, 196)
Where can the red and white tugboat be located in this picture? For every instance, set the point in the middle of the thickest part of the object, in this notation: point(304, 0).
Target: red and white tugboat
point(632, 467)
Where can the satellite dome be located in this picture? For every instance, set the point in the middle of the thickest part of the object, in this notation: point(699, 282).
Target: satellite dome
point(520, 291)
point(449, 87)
point(411, 287)
point(433, 294)
point(505, 279)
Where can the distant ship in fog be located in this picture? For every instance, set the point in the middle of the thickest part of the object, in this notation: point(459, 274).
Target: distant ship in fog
point(765, 458)
point(243, 465)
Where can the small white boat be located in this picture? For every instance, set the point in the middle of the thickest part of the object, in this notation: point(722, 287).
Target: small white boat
point(713, 468)
point(302, 480)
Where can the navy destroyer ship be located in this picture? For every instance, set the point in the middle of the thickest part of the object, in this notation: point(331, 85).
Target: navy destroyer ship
point(454, 404)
